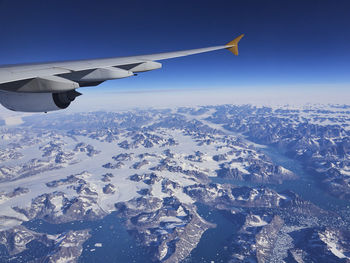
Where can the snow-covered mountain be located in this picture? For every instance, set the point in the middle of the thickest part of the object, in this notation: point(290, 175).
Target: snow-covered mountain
point(152, 168)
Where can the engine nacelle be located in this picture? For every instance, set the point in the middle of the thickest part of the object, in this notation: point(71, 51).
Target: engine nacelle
point(37, 102)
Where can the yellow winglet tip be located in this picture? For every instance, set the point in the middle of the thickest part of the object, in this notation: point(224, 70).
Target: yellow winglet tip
point(233, 45)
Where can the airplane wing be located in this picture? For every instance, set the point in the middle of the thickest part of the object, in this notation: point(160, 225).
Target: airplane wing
point(49, 86)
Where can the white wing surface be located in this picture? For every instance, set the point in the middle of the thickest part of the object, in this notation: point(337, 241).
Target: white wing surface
point(66, 76)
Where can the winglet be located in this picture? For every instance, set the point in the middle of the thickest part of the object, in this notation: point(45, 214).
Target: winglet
point(233, 45)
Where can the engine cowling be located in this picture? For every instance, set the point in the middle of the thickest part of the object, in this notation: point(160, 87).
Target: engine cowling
point(37, 102)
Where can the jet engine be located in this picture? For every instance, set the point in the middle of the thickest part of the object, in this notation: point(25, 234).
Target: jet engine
point(37, 102)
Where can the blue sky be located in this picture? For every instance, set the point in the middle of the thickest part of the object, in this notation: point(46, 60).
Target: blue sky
point(291, 42)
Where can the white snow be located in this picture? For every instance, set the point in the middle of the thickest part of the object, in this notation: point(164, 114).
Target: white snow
point(330, 238)
point(255, 221)
point(90, 168)
point(170, 219)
